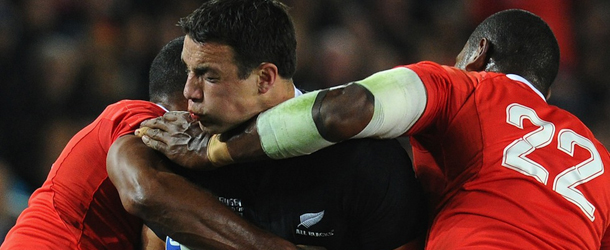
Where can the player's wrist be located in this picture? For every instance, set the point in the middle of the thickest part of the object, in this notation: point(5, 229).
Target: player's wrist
point(218, 152)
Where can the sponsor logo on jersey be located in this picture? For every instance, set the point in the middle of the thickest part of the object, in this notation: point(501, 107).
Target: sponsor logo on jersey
point(233, 203)
point(308, 220)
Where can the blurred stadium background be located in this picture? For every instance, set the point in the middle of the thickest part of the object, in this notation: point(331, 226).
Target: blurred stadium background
point(63, 61)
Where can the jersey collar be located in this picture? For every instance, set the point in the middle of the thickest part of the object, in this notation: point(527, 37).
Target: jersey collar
point(166, 110)
point(523, 80)
point(297, 92)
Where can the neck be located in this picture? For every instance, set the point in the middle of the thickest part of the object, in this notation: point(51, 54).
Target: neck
point(282, 91)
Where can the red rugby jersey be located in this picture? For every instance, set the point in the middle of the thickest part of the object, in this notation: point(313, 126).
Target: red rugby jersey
point(77, 207)
point(505, 169)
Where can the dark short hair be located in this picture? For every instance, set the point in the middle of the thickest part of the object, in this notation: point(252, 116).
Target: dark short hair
point(521, 43)
point(257, 30)
point(167, 72)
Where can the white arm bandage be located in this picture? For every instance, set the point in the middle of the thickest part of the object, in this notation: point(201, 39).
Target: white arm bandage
point(288, 129)
point(400, 99)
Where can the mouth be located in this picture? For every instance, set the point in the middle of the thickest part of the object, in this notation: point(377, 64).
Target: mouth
point(194, 116)
point(202, 119)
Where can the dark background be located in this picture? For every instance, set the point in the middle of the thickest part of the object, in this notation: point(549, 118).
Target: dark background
point(63, 61)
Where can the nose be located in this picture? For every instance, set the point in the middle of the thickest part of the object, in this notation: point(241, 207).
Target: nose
point(192, 90)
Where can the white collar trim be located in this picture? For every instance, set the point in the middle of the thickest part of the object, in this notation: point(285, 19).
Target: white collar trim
point(162, 107)
point(297, 92)
point(523, 80)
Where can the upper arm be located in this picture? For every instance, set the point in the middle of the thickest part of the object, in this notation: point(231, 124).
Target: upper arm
point(446, 91)
point(124, 159)
point(399, 101)
point(132, 168)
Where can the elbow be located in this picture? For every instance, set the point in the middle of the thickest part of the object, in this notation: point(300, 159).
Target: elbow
point(135, 202)
point(344, 112)
point(130, 168)
point(143, 199)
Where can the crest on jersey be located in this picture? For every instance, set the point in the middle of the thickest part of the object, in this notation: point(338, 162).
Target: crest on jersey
point(310, 219)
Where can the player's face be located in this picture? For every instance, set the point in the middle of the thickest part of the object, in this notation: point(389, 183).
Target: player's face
point(216, 96)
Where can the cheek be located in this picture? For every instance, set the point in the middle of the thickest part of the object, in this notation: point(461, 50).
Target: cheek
point(218, 100)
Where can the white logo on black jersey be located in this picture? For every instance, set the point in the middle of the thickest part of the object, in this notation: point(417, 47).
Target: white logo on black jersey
point(310, 219)
point(234, 204)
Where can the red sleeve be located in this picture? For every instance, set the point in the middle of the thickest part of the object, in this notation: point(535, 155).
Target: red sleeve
point(125, 117)
point(447, 88)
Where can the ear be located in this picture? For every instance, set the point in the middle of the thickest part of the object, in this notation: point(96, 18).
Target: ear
point(267, 75)
point(480, 58)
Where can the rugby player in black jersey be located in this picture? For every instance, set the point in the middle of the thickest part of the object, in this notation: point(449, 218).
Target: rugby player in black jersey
point(240, 56)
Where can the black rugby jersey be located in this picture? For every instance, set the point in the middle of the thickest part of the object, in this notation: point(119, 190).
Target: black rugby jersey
point(358, 194)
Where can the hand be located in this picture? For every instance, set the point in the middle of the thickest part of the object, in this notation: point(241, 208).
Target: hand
point(179, 137)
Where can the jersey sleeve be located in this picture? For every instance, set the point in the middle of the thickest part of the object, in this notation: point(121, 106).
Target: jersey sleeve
point(446, 90)
point(124, 118)
point(388, 200)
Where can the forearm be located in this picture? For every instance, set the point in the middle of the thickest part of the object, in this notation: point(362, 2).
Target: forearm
point(194, 217)
point(384, 105)
point(300, 126)
point(170, 203)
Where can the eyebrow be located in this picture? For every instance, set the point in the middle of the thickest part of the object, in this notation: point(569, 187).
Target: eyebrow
point(201, 70)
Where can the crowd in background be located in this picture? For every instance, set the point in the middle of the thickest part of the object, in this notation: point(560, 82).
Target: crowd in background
point(63, 61)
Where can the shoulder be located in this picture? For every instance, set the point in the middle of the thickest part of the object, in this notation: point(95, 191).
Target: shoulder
point(359, 149)
point(353, 160)
point(130, 109)
point(428, 67)
point(134, 107)
point(125, 116)
point(369, 159)
point(431, 71)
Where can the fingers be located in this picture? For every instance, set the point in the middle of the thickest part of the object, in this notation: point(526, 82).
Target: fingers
point(173, 116)
point(151, 133)
point(141, 131)
point(151, 138)
point(158, 123)
point(154, 144)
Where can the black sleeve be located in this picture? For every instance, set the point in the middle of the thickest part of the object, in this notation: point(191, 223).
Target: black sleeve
point(387, 199)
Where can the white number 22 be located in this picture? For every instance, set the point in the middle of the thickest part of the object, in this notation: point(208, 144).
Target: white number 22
point(565, 183)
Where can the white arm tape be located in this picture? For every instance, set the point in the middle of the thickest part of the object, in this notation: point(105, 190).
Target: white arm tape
point(288, 129)
point(400, 99)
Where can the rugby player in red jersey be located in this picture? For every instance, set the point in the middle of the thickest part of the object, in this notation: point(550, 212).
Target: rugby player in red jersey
point(503, 168)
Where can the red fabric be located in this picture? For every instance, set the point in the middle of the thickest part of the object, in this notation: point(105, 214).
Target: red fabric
point(78, 207)
point(467, 154)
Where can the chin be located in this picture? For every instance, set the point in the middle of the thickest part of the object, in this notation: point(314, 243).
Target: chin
point(212, 129)
point(217, 128)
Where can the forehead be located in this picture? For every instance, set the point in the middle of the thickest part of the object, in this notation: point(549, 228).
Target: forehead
point(194, 53)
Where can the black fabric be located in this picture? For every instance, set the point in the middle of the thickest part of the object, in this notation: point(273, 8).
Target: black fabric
point(365, 188)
